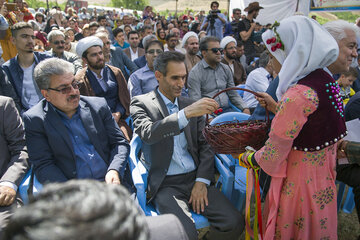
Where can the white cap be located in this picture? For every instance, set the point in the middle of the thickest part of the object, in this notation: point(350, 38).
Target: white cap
point(187, 36)
point(226, 40)
point(86, 43)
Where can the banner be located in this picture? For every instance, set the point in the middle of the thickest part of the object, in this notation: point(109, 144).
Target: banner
point(334, 5)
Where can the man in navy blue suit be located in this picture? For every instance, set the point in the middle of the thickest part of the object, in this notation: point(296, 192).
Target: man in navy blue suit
point(69, 136)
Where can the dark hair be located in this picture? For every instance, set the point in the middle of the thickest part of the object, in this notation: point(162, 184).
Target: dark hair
point(214, 2)
point(116, 31)
point(18, 26)
point(101, 18)
point(154, 42)
point(170, 35)
point(147, 27)
point(93, 24)
point(158, 33)
point(79, 209)
point(236, 10)
point(203, 46)
point(239, 43)
point(352, 72)
point(132, 32)
point(162, 60)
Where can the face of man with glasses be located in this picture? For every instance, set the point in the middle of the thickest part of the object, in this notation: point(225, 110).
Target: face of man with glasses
point(63, 92)
point(213, 53)
point(153, 51)
point(57, 44)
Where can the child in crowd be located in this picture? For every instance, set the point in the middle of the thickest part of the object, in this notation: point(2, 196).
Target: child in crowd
point(345, 82)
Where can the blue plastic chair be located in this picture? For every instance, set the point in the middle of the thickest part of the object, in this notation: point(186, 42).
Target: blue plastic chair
point(241, 92)
point(349, 203)
point(140, 174)
point(24, 186)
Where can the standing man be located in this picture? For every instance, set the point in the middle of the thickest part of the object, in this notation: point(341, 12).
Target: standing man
point(229, 45)
point(57, 43)
point(133, 52)
point(191, 45)
point(210, 76)
point(13, 158)
point(72, 137)
point(247, 27)
point(101, 80)
point(19, 69)
point(235, 24)
point(181, 164)
point(214, 23)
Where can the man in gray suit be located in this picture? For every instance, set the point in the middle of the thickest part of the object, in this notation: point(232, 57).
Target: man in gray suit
point(13, 157)
point(180, 162)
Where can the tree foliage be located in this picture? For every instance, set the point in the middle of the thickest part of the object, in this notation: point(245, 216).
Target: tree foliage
point(130, 4)
point(37, 3)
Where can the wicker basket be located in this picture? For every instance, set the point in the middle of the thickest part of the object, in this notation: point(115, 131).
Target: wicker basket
point(233, 136)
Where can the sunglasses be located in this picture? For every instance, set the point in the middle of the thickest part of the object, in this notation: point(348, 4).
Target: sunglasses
point(58, 42)
point(215, 50)
point(67, 90)
point(153, 51)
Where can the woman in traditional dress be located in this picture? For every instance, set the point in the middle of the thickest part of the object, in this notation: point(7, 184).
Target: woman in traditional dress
point(300, 154)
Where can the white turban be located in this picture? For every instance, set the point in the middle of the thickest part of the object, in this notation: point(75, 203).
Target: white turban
point(86, 43)
point(226, 40)
point(307, 47)
point(187, 36)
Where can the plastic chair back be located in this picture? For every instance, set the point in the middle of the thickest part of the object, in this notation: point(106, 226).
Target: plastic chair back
point(230, 116)
point(28, 181)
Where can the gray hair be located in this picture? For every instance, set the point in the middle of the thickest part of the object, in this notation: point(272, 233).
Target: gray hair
point(101, 34)
point(50, 67)
point(264, 59)
point(161, 61)
point(337, 29)
point(147, 39)
point(55, 33)
point(102, 30)
point(34, 25)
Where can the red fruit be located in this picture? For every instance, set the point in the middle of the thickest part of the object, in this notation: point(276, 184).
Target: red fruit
point(269, 41)
point(273, 40)
point(220, 110)
point(273, 48)
point(216, 111)
point(278, 45)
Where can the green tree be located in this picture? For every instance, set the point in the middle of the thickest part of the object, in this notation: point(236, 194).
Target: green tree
point(130, 4)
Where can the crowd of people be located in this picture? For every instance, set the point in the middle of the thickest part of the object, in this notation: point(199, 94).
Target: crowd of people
point(77, 87)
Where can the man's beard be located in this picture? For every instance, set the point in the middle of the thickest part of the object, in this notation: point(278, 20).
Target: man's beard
point(98, 65)
point(230, 56)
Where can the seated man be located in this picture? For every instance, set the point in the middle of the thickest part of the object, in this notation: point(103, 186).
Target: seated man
point(210, 76)
point(180, 162)
point(93, 210)
point(69, 136)
point(102, 80)
point(57, 43)
point(13, 157)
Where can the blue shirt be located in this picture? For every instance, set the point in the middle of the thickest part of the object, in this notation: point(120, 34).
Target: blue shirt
point(218, 25)
point(142, 81)
point(89, 163)
point(126, 45)
point(181, 161)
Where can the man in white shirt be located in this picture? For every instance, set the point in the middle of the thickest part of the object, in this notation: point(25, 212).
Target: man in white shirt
point(258, 80)
point(133, 52)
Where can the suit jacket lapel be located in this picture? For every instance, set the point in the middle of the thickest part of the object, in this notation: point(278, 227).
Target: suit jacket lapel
point(157, 100)
point(88, 122)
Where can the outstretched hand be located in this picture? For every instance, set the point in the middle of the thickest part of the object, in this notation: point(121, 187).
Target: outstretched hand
point(201, 107)
point(266, 101)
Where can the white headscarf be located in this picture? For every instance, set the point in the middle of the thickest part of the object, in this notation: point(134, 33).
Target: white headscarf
point(308, 46)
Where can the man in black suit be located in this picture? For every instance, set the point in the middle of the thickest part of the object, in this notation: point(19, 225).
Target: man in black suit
point(180, 162)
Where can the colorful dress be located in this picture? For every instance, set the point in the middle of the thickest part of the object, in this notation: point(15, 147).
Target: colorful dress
point(301, 202)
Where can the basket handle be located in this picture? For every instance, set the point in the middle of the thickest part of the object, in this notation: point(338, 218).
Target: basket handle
point(243, 89)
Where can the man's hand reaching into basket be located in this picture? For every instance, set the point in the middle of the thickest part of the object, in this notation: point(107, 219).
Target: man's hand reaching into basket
point(266, 101)
point(201, 107)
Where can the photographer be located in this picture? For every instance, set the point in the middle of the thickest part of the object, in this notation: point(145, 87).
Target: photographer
point(214, 22)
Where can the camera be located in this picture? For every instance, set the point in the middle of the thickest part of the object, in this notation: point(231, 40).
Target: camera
point(212, 16)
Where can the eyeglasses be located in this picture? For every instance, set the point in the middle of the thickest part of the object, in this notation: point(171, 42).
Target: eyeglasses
point(153, 51)
point(215, 50)
point(67, 90)
point(58, 42)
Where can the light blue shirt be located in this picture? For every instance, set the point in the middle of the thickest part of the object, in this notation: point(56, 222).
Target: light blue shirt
point(181, 161)
point(218, 25)
point(142, 81)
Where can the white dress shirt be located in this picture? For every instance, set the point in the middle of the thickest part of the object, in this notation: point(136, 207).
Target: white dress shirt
point(258, 81)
